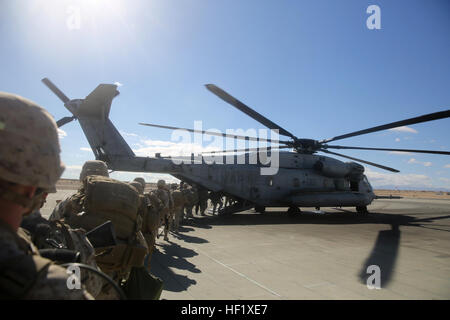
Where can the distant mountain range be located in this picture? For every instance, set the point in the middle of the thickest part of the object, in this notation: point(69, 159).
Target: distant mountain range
point(391, 187)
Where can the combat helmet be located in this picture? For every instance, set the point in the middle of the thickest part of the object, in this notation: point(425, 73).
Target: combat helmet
point(161, 184)
point(94, 167)
point(138, 186)
point(141, 181)
point(29, 146)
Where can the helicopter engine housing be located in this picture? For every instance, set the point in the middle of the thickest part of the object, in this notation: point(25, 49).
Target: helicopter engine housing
point(336, 169)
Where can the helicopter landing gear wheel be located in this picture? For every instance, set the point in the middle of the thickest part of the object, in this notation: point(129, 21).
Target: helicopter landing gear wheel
point(362, 210)
point(260, 209)
point(293, 210)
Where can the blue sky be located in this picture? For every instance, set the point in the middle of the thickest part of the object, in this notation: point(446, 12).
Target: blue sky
point(311, 66)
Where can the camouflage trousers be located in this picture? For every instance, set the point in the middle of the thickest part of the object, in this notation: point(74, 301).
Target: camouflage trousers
point(178, 218)
point(168, 222)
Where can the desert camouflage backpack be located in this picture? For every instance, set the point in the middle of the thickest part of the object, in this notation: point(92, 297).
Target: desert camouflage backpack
point(102, 199)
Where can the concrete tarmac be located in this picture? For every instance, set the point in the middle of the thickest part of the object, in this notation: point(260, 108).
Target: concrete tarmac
point(311, 255)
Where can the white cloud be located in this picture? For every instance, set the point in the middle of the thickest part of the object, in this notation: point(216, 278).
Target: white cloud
point(61, 133)
point(447, 166)
point(85, 149)
point(404, 129)
point(160, 143)
point(397, 139)
point(426, 163)
point(379, 179)
point(445, 179)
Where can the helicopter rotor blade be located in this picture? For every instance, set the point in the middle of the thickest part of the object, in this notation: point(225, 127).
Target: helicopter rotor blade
point(214, 133)
point(359, 160)
point(387, 149)
point(248, 149)
point(424, 118)
point(55, 90)
point(64, 121)
point(247, 110)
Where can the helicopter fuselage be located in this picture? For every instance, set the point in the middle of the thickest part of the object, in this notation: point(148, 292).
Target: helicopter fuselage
point(302, 180)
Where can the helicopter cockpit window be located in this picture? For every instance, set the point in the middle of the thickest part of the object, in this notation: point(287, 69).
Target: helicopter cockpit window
point(368, 183)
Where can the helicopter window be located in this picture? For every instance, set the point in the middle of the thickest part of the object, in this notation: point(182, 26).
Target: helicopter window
point(354, 185)
point(368, 183)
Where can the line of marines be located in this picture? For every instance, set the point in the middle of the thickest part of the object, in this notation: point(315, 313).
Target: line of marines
point(107, 228)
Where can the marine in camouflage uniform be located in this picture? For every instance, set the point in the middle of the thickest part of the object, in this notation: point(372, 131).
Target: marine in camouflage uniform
point(191, 197)
point(202, 203)
point(90, 167)
point(179, 202)
point(163, 193)
point(142, 182)
point(75, 237)
point(46, 234)
point(146, 211)
point(116, 261)
point(151, 223)
point(29, 165)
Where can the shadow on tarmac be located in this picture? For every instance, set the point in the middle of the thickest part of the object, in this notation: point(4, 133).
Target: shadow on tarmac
point(170, 255)
point(189, 239)
point(383, 255)
point(386, 247)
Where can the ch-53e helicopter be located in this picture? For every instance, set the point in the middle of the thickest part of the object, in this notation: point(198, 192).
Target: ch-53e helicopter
point(304, 179)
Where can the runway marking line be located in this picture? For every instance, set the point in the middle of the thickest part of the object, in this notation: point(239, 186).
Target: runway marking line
point(240, 274)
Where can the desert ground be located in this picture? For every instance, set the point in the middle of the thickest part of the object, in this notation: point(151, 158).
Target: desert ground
point(313, 255)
